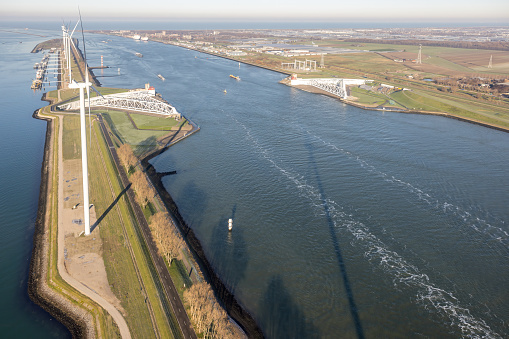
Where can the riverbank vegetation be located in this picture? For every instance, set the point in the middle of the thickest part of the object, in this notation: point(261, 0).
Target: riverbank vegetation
point(208, 317)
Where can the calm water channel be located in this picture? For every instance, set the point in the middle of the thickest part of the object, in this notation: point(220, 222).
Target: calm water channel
point(21, 151)
point(347, 223)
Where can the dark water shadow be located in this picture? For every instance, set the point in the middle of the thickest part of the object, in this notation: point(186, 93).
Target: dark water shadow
point(105, 213)
point(199, 204)
point(281, 317)
point(230, 249)
point(337, 249)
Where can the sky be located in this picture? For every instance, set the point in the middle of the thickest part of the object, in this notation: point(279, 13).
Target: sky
point(441, 11)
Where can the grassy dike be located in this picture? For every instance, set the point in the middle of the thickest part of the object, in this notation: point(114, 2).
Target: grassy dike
point(82, 316)
point(129, 268)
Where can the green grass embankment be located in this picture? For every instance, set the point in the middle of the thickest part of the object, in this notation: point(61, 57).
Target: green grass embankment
point(104, 326)
point(129, 269)
point(127, 265)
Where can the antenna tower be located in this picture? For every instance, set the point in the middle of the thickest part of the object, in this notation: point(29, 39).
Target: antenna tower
point(419, 56)
point(322, 63)
point(490, 65)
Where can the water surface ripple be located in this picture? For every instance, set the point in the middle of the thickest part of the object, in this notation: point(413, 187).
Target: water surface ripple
point(347, 223)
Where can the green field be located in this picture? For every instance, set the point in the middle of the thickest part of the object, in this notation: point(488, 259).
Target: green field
point(368, 97)
point(71, 138)
point(123, 129)
point(130, 274)
point(143, 121)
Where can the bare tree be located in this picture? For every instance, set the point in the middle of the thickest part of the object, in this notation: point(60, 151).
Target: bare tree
point(166, 237)
point(144, 191)
point(126, 155)
point(207, 315)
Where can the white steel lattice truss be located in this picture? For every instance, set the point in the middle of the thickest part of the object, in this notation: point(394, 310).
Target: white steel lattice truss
point(139, 101)
point(334, 86)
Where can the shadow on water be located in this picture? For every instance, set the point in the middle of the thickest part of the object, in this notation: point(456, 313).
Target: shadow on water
point(105, 213)
point(281, 316)
point(337, 249)
point(232, 249)
point(199, 204)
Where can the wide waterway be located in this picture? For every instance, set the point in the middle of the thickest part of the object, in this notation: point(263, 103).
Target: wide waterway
point(21, 152)
point(347, 222)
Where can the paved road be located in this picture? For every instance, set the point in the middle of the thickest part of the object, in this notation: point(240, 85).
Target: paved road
point(169, 288)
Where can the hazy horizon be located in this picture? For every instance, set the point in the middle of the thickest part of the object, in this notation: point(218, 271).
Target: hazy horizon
point(489, 12)
point(95, 24)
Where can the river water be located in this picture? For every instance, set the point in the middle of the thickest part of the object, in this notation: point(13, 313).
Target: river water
point(21, 152)
point(347, 223)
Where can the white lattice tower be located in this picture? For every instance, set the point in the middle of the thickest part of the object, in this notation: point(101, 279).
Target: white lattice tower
point(419, 56)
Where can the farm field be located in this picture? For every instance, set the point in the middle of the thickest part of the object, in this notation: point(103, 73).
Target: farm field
point(437, 63)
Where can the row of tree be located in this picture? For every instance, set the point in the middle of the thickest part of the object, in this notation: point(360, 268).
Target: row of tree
point(144, 190)
point(167, 239)
point(127, 157)
point(207, 315)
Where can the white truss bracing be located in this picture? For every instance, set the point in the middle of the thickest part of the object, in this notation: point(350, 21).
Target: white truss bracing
point(334, 86)
point(139, 101)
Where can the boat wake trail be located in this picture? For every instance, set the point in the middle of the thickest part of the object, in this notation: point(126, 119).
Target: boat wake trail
point(403, 274)
point(480, 225)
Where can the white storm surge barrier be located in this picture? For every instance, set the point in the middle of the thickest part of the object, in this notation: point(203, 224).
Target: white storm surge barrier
point(332, 85)
point(336, 87)
point(139, 101)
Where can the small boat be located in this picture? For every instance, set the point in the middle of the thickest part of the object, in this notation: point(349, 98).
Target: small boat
point(36, 84)
point(234, 77)
point(230, 224)
point(161, 77)
point(139, 55)
point(224, 91)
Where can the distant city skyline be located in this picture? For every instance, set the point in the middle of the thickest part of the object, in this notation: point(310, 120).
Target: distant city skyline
point(488, 11)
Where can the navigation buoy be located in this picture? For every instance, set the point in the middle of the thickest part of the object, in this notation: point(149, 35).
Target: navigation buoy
point(230, 224)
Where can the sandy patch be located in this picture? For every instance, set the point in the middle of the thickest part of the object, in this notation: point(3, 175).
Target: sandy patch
point(82, 255)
